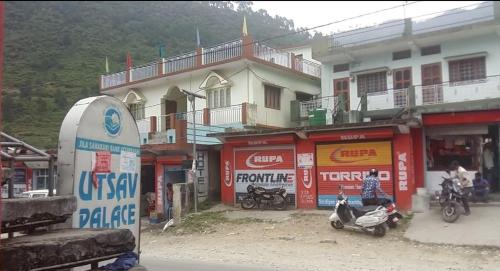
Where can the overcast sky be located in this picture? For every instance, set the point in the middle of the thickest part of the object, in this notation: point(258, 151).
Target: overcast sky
point(313, 13)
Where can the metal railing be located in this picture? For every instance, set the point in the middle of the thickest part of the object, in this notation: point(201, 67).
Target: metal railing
point(180, 63)
point(144, 72)
point(272, 55)
point(388, 99)
point(222, 52)
point(328, 103)
point(462, 91)
point(114, 79)
point(307, 67)
point(226, 115)
point(198, 117)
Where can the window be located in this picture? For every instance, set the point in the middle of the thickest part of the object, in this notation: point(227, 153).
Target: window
point(219, 97)
point(341, 67)
point(401, 55)
point(272, 97)
point(42, 177)
point(137, 110)
point(467, 69)
point(402, 78)
point(430, 50)
point(372, 82)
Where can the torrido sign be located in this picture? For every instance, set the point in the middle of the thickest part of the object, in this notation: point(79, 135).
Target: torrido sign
point(347, 164)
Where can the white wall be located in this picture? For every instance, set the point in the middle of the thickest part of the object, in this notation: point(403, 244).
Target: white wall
point(489, 44)
point(290, 83)
point(306, 53)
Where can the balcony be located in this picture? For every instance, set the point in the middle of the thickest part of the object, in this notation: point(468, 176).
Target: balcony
point(205, 57)
point(301, 110)
point(179, 127)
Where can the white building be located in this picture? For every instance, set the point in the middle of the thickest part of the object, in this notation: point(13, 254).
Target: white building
point(247, 85)
point(442, 74)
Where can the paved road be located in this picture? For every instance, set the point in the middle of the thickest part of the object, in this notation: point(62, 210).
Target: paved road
point(158, 264)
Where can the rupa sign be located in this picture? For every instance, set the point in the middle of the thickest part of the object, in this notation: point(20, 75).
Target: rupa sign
point(99, 163)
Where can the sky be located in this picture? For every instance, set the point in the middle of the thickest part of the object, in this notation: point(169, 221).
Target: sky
point(314, 13)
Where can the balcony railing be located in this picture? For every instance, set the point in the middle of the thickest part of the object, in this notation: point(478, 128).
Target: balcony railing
point(180, 63)
point(451, 92)
point(272, 55)
point(113, 80)
point(307, 67)
point(391, 98)
point(222, 52)
point(328, 103)
point(208, 56)
point(144, 72)
point(226, 115)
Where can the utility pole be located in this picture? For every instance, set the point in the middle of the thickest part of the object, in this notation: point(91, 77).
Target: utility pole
point(191, 97)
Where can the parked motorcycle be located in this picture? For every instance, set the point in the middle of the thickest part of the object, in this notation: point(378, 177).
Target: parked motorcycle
point(373, 222)
point(257, 195)
point(450, 199)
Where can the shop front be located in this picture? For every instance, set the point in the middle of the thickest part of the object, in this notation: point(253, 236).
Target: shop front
point(314, 164)
point(471, 138)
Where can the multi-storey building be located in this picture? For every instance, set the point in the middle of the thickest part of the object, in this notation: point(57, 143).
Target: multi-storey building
point(406, 96)
point(247, 84)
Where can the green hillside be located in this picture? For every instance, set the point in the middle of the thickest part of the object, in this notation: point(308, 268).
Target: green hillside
point(55, 51)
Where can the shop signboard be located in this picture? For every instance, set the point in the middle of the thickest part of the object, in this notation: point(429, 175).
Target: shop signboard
point(268, 168)
point(99, 163)
point(347, 164)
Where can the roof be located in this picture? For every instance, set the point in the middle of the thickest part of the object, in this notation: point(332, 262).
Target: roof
point(309, 129)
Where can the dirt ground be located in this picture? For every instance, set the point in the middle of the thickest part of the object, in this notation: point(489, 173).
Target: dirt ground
point(302, 240)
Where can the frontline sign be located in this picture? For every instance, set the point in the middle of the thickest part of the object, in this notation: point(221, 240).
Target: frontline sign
point(267, 168)
point(99, 163)
point(347, 165)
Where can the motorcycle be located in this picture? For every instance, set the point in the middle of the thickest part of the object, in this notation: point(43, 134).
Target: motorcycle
point(373, 222)
point(450, 199)
point(257, 195)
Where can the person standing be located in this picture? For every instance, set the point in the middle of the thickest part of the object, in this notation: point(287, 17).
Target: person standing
point(466, 183)
point(170, 200)
point(488, 163)
point(371, 186)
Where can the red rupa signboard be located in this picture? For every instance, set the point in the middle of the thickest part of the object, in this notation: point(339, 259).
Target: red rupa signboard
point(268, 168)
point(102, 164)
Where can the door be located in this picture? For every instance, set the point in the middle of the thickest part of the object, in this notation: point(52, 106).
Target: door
point(401, 83)
point(170, 108)
point(432, 90)
point(341, 89)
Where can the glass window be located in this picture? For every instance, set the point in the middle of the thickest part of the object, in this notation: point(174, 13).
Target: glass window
point(137, 111)
point(220, 97)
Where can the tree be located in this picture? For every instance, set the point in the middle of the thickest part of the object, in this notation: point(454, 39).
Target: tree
point(8, 108)
point(60, 99)
point(244, 6)
point(26, 91)
point(41, 105)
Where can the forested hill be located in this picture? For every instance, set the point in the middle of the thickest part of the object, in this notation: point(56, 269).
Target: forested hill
point(55, 51)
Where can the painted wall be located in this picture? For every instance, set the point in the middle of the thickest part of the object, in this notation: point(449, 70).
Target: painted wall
point(488, 89)
point(289, 83)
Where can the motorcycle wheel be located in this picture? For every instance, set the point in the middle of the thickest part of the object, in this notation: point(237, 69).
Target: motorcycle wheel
point(379, 230)
point(337, 225)
point(391, 223)
point(279, 202)
point(450, 212)
point(248, 203)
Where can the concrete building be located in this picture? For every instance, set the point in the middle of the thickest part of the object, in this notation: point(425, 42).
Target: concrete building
point(414, 93)
point(248, 85)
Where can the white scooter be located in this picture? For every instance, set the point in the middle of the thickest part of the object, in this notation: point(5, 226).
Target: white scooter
point(345, 216)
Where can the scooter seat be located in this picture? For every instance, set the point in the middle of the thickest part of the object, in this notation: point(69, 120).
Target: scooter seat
point(358, 212)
